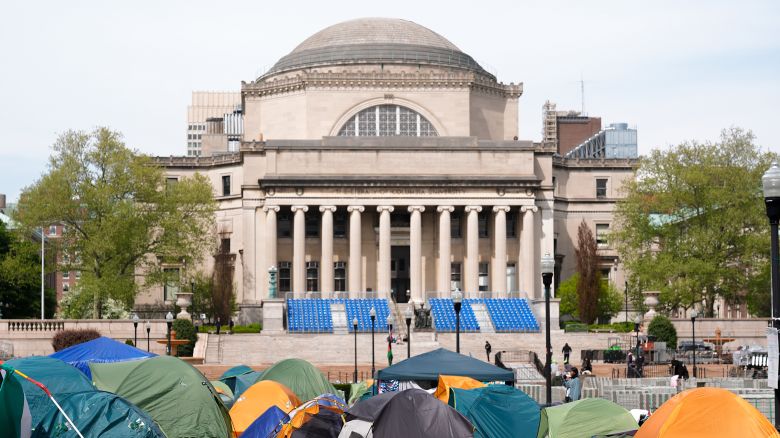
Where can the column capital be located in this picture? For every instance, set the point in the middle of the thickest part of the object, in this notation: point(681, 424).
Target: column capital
point(470, 208)
point(413, 208)
point(330, 208)
point(387, 208)
point(442, 208)
point(268, 208)
point(531, 208)
point(302, 208)
point(358, 208)
point(504, 208)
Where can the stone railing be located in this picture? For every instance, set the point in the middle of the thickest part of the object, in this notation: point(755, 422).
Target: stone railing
point(28, 325)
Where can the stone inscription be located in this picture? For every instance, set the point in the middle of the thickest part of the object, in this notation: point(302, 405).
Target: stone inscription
point(399, 191)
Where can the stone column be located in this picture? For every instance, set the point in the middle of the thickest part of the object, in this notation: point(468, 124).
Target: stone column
point(415, 253)
point(445, 245)
point(326, 259)
point(498, 280)
point(471, 265)
point(355, 267)
point(383, 276)
point(527, 265)
point(270, 239)
point(299, 249)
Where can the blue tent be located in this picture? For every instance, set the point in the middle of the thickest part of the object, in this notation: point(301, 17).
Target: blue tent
point(497, 410)
point(100, 350)
point(271, 420)
point(429, 366)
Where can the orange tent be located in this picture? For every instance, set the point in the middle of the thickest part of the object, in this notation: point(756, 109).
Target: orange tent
point(256, 399)
point(706, 412)
point(460, 382)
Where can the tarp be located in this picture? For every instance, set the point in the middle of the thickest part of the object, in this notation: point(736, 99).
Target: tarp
point(271, 420)
point(498, 411)
point(585, 418)
point(257, 399)
point(429, 366)
point(59, 377)
point(15, 419)
point(306, 381)
point(706, 412)
point(447, 382)
point(99, 350)
point(97, 414)
point(176, 395)
point(415, 413)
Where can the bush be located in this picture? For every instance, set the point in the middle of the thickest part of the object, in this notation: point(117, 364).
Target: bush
point(249, 328)
point(618, 327)
point(185, 330)
point(663, 330)
point(129, 342)
point(68, 338)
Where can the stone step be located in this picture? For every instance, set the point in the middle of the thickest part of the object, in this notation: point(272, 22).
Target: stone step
point(338, 313)
point(483, 318)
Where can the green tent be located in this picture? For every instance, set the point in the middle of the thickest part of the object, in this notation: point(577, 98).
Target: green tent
point(15, 418)
point(357, 390)
point(176, 395)
point(97, 413)
point(497, 410)
point(585, 418)
point(301, 377)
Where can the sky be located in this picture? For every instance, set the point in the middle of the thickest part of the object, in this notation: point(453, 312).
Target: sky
point(674, 70)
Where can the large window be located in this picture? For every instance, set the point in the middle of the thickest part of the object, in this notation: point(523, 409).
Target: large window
point(284, 224)
point(455, 277)
point(484, 277)
point(225, 185)
point(601, 188)
point(284, 277)
point(312, 276)
point(602, 232)
point(171, 287)
point(340, 276)
point(388, 120)
point(455, 230)
point(511, 224)
point(312, 223)
point(482, 222)
point(340, 223)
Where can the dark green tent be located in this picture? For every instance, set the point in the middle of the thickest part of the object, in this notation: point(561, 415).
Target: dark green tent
point(429, 366)
point(98, 414)
point(14, 412)
point(176, 395)
point(301, 377)
point(497, 410)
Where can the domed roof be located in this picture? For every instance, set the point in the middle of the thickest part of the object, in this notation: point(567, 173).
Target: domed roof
point(373, 41)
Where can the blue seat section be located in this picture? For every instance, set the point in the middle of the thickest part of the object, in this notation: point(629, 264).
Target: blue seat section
point(360, 308)
point(443, 312)
point(309, 315)
point(511, 315)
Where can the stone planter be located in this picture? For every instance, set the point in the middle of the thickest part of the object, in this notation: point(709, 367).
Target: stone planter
point(651, 301)
point(183, 300)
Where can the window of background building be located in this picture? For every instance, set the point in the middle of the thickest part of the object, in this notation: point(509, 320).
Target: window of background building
point(605, 272)
point(171, 180)
point(52, 230)
point(340, 276)
point(224, 245)
point(65, 287)
point(388, 120)
point(483, 276)
point(78, 275)
point(511, 277)
point(482, 221)
point(399, 219)
point(225, 185)
point(284, 224)
point(601, 188)
point(455, 277)
point(602, 231)
point(312, 223)
point(340, 223)
point(511, 224)
point(171, 287)
point(284, 277)
point(312, 276)
point(65, 275)
point(455, 222)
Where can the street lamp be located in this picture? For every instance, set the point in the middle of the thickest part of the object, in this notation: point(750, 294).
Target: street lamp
point(148, 330)
point(372, 314)
point(626, 292)
point(135, 329)
point(389, 323)
point(771, 183)
point(169, 323)
point(408, 317)
point(457, 297)
point(694, 314)
point(548, 268)
point(354, 330)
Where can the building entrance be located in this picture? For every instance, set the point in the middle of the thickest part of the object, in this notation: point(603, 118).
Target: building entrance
point(399, 272)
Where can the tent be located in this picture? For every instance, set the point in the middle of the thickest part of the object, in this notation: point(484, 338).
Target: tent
point(15, 417)
point(706, 412)
point(320, 417)
point(369, 409)
point(586, 417)
point(236, 371)
point(429, 366)
point(98, 413)
point(263, 427)
point(176, 395)
point(306, 381)
point(354, 428)
point(357, 390)
point(239, 378)
point(59, 377)
point(225, 394)
point(497, 410)
point(415, 413)
point(448, 382)
point(257, 399)
point(99, 350)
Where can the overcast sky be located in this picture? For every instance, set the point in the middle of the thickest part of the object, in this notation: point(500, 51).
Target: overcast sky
point(675, 70)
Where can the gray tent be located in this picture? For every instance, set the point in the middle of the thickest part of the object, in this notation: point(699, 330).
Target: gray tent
point(370, 408)
point(415, 413)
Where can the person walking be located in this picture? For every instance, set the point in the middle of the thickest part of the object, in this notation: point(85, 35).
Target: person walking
point(573, 385)
point(566, 352)
point(488, 349)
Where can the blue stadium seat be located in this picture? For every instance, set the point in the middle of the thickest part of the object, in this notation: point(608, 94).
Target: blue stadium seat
point(443, 312)
point(511, 315)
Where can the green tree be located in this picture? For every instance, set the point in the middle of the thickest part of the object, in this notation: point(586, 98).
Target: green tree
point(608, 303)
point(20, 277)
point(589, 277)
point(122, 219)
point(693, 223)
point(663, 330)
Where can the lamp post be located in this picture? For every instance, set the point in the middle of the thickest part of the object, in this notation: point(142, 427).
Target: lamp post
point(771, 183)
point(408, 317)
point(694, 314)
point(169, 323)
point(637, 323)
point(372, 314)
point(457, 298)
point(626, 291)
point(354, 330)
point(148, 330)
point(548, 268)
point(135, 329)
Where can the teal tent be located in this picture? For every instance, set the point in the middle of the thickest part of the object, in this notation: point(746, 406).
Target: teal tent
point(98, 414)
point(497, 410)
point(15, 421)
point(239, 379)
point(429, 366)
point(235, 371)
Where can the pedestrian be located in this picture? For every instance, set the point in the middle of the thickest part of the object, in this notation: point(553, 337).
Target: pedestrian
point(587, 367)
point(573, 385)
point(219, 325)
point(488, 349)
point(566, 352)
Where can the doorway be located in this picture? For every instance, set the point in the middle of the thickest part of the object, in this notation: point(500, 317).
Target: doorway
point(399, 272)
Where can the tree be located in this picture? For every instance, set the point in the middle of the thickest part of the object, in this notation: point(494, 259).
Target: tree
point(663, 330)
point(608, 303)
point(693, 223)
point(20, 277)
point(223, 298)
point(589, 278)
point(122, 218)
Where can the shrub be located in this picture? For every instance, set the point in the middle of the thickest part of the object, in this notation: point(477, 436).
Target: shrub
point(129, 342)
point(663, 330)
point(255, 327)
point(68, 338)
point(185, 330)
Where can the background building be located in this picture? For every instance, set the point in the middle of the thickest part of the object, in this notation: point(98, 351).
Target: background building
point(207, 105)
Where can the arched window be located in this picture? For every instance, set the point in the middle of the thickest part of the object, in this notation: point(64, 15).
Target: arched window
point(388, 120)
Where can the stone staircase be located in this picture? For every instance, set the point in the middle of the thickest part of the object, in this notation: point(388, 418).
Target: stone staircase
point(213, 349)
point(483, 318)
point(338, 313)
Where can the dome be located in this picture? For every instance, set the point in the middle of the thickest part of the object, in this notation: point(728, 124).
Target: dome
point(375, 41)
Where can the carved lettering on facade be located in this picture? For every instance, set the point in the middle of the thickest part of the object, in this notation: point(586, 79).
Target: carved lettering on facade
point(399, 191)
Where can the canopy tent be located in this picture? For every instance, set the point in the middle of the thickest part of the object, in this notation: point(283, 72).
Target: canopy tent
point(448, 382)
point(98, 413)
point(586, 417)
point(272, 420)
point(415, 413)
point(176, 395)
point(257, 399)
point(100, 350)
point(497, 410)
point(706, 412)
point(59, 377)
point(15, 417)
point(306, 381)
point(429, 366)
point(320, 417)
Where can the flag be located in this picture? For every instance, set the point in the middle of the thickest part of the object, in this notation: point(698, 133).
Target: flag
point(15, 419)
